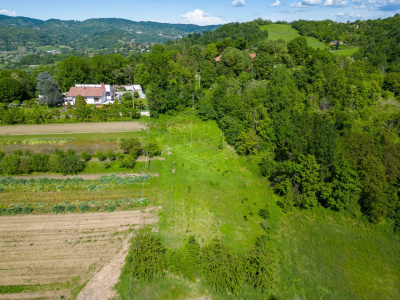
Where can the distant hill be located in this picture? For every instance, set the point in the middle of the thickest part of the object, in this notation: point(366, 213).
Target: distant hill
point(92, 33)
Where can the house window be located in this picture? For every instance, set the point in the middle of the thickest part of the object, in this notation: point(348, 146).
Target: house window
point(96, 99)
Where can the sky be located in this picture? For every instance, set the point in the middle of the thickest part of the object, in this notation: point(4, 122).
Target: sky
point(202, 12)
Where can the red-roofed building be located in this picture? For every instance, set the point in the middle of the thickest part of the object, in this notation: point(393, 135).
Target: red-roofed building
point(95, 94)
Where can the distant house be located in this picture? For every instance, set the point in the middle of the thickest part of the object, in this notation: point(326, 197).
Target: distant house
point(332, 43)
point(132, 89)
point(95, 94)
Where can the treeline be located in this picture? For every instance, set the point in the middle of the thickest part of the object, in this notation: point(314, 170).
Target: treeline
point(216, 264)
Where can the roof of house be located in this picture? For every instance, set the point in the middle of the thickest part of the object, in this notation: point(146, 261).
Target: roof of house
point(252, 56)
point(86, 91)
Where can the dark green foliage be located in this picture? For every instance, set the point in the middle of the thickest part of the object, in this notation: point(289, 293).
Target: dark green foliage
point(40, 162)
point(86, 156)
point(27, 210)
point(152, 149)
point(84, 208)
point(128, 161)
point(49, 89)
point(9, 164)
point(12, 211)
point(66, 163)
point(132, 146)
point(222, 268)
point(259, 269)
point(24, 164)
point(185, 260)
point(146, 258)
point(10, 90)
point(110, 208)
point(70, 208)
point(58, 209)
point(111, 155)
point(100, 155)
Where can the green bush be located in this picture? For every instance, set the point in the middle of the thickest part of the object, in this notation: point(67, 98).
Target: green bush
point(185, 260)
point(1, 189)
point(24, 164)
point(129, 161)
point(86, 156)
point(153, 149)
point(18, 152)
point(259, 270)
point(131, 146)
point(40, 162)
point(149, 256)
point(27, 210)
point(222, 268)
point(2, 154)
point(100, 155)
point(9, 164)
point(57, 209)
point(110, 155)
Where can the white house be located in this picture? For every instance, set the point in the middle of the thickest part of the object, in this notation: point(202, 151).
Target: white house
point(95, 94)
point(135, 88)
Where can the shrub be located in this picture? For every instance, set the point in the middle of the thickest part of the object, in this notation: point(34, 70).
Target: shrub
point(152, 149)
point(24, 164)
point(27, 210)
point(100, 155)
point(259, 269)
point(40, 162)
point(185, 260)
point(9, 164)
point(222, 268)
point(128, 162)
point(70, 163)
point(132, 146)
point(119, 155)
point(111, 155)
point(57, 209)
point(18, 152)
point(149, 257)
point(1, 189)
point(86, 156)
point(2, 154)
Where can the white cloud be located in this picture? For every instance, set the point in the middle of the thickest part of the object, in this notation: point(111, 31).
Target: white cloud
point(335, 3)
point(7, 12)
point(199, 17)
point(276, 3)
point(348, 16)
point(311, 2)
point(237, 3)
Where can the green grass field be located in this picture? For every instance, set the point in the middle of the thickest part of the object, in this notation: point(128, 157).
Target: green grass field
point(288, 33)
point(348, 51)
point(325, 255)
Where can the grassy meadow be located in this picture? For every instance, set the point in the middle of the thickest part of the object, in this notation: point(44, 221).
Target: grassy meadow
point(288, 33)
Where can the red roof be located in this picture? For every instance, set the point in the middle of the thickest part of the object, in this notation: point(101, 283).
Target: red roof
point(86, 91)
point(252, 56)
point(218, 58)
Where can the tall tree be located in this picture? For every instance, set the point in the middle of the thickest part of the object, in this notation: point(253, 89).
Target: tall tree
point(49, 89)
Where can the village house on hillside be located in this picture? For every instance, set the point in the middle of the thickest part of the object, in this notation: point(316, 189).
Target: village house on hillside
point(95, 94)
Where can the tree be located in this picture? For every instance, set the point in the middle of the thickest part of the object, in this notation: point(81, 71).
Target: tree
point(79, 101)
point(131, 146)
point(10, 90)
point(49, 89)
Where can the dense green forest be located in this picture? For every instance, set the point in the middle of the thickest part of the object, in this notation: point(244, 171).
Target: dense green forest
point(321, 130)
point(93, 33)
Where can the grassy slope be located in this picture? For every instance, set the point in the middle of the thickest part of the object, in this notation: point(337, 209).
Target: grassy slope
point(288, 33)
point(324, 255)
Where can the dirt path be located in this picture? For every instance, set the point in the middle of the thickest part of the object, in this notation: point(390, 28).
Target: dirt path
point(101, 286)
point(71, 128)
point(83, 176)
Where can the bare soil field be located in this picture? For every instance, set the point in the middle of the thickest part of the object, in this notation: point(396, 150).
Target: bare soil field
point(62, 252)
point(71, 128)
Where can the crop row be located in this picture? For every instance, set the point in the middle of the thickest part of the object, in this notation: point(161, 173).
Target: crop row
point(77, 206)
point(31, 141)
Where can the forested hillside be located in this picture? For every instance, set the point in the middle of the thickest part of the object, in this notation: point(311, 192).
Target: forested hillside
point(93, 33)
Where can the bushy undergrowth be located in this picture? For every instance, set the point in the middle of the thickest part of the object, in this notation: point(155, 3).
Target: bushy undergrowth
point(216, 264)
